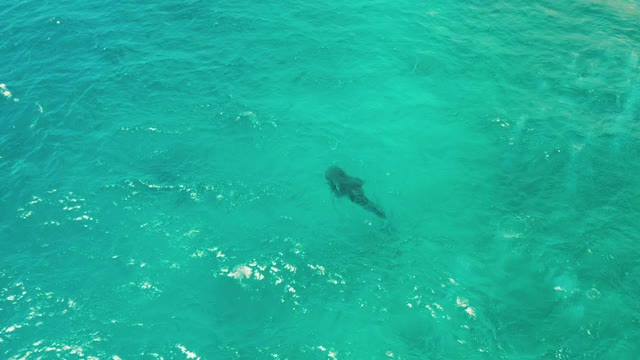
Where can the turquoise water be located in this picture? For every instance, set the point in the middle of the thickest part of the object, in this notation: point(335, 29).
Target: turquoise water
point(163, 191)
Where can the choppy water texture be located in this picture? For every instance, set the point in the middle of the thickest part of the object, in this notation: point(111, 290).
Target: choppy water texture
point(162, 189)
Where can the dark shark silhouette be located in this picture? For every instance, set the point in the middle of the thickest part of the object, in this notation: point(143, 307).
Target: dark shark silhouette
point(342, 184)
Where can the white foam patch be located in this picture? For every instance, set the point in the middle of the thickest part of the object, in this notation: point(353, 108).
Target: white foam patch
point(60, 351)
point(11, 328)
point(241, 271)
point(464, 303)
point(72, 208)
point(189, 354)
point(332, 354)
point(461, 302)
point(5, 91)
point(278, 271)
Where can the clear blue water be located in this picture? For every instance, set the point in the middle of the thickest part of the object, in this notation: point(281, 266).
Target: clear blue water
point(162, 191)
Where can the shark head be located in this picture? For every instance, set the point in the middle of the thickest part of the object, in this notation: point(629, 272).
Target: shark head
point(342, 184)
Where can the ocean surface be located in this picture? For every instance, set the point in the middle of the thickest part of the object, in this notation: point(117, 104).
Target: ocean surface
point(162, 190)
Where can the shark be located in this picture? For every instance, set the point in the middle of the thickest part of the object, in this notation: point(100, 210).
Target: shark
point(342, 184)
